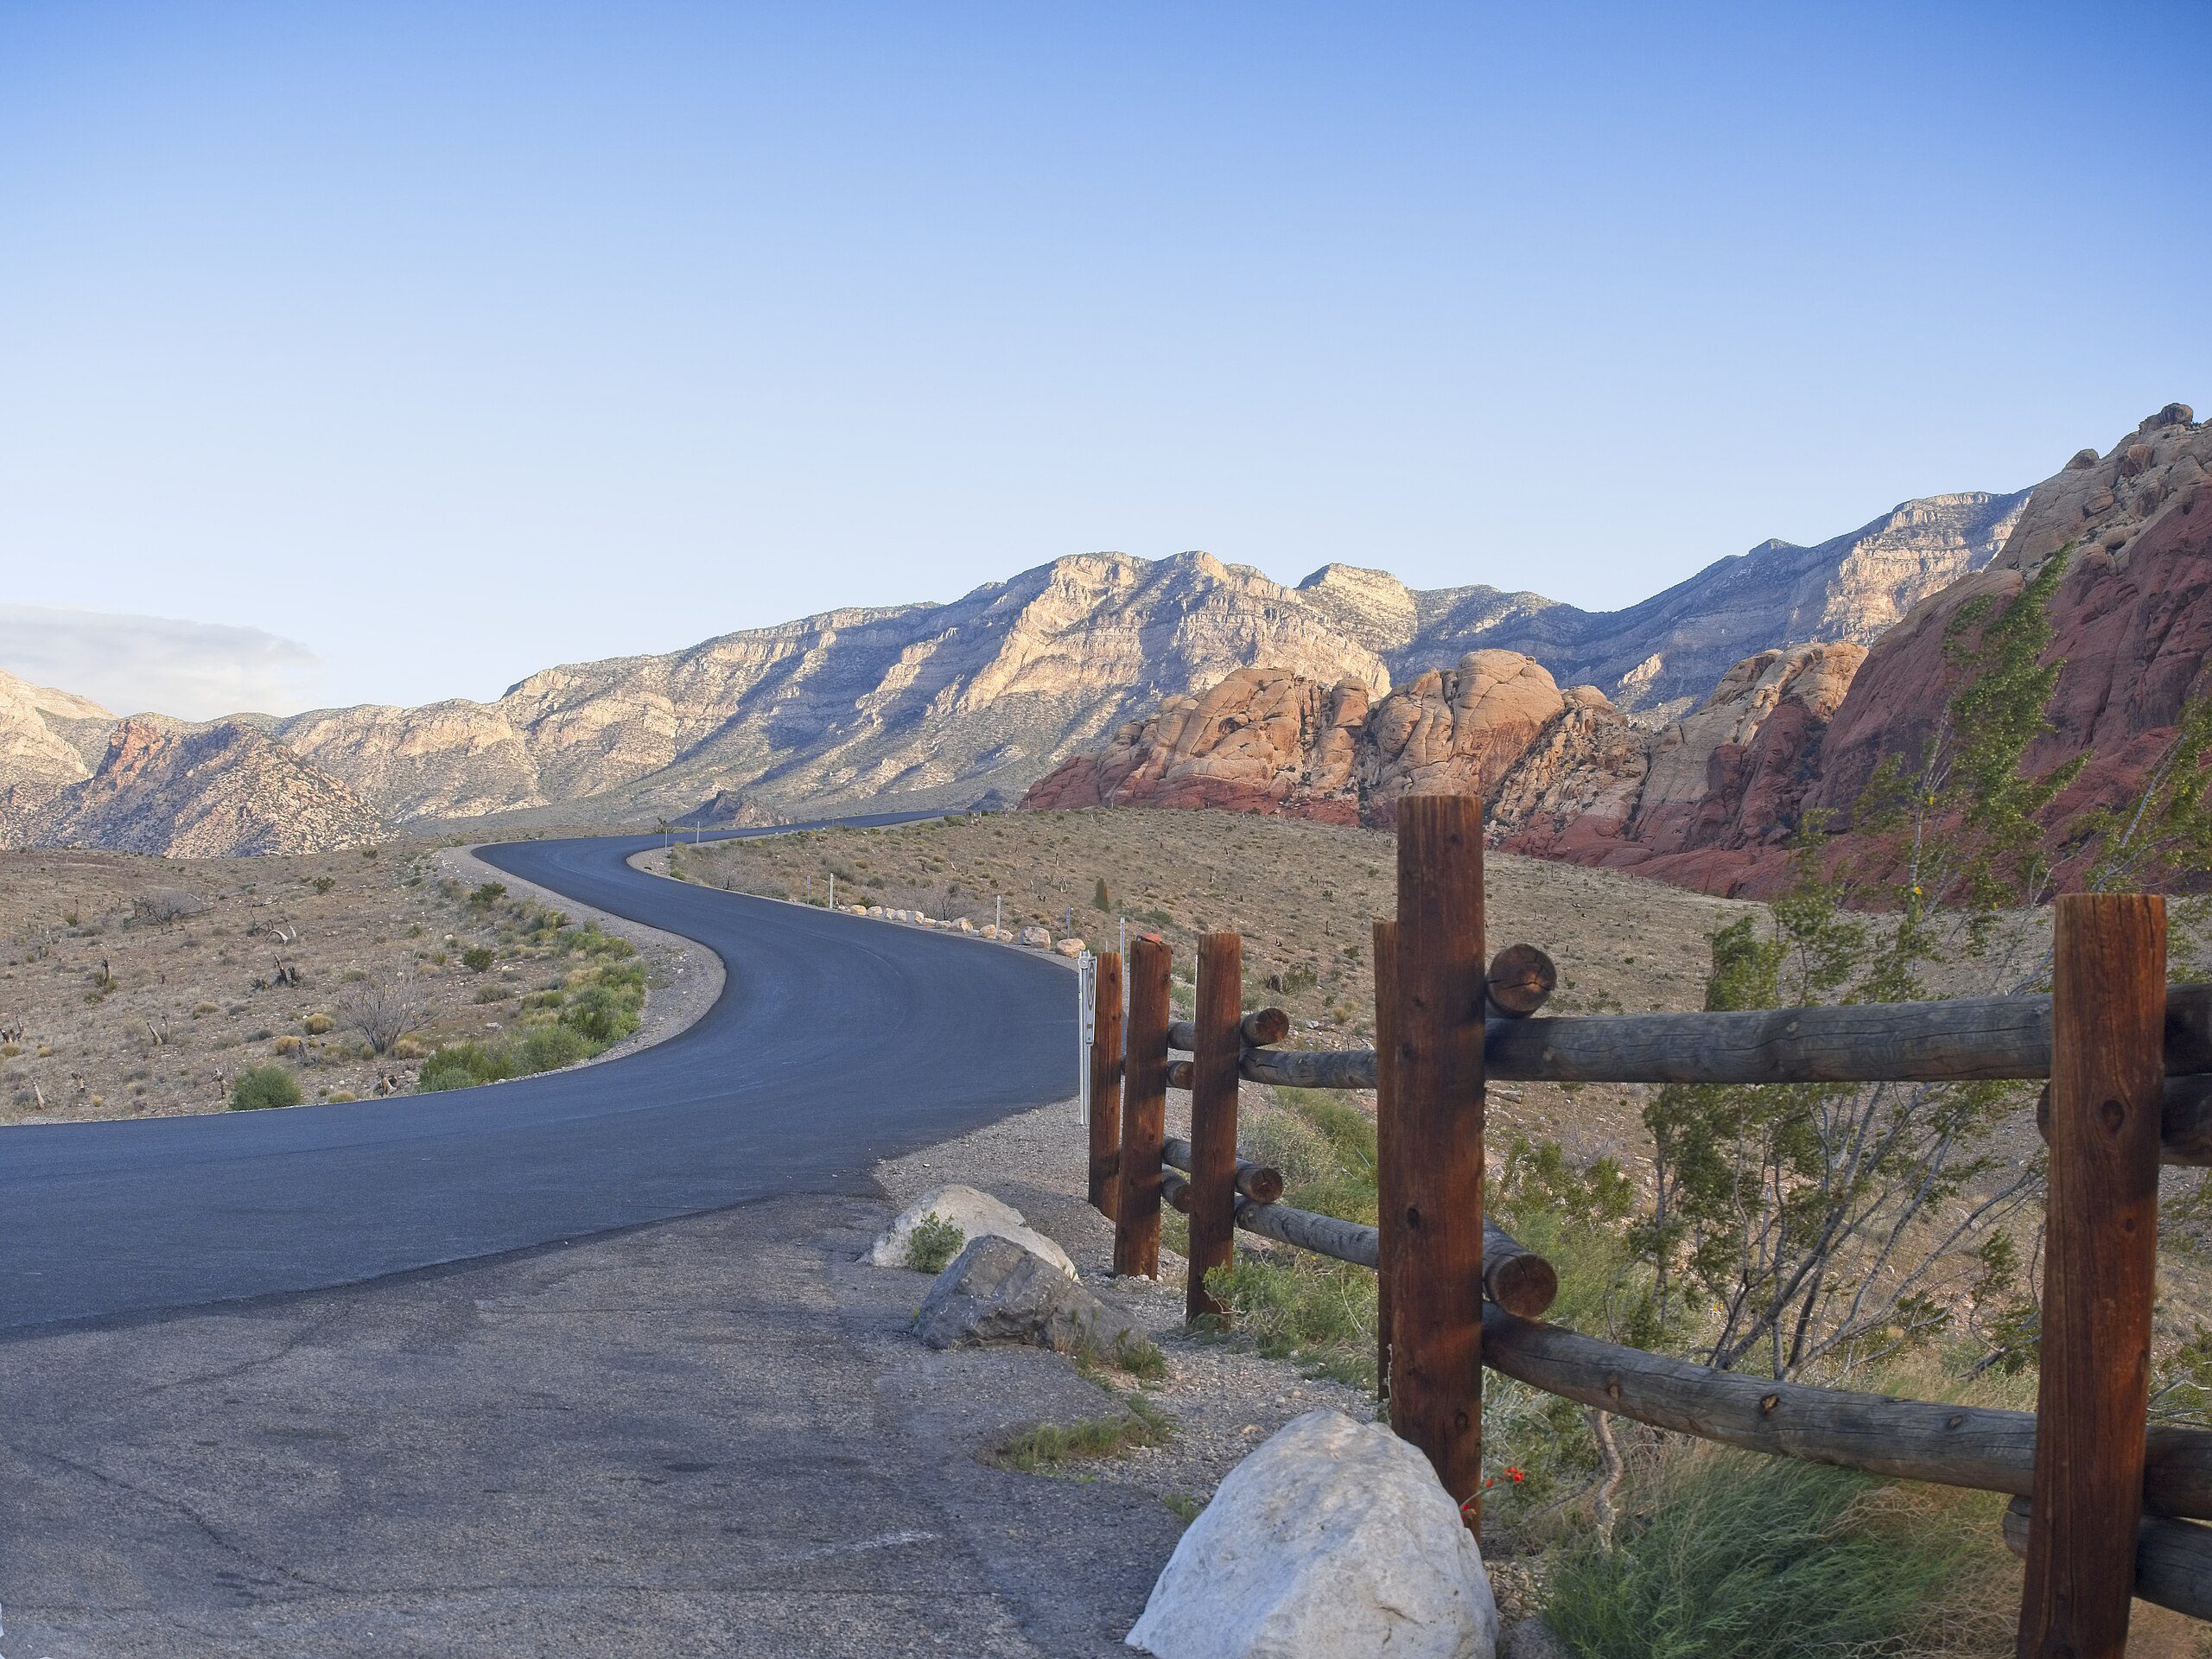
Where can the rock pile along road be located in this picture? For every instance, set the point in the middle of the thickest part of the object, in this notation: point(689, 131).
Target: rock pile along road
point(836, 1041)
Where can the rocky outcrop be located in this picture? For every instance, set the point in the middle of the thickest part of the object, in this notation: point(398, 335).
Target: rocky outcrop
point(1269, 740)
point(1262, 739)
point(216, 792)
point(1457, 732)
point(2130, 618)
point(1575, 785)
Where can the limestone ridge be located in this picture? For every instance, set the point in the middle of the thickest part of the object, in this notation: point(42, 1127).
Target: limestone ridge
point(1662, 656)
point(217, 791)
point(928, 705)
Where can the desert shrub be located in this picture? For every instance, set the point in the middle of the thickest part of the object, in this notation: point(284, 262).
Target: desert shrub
point(317, 1024)
point(464, 1065)
point(490, 893)
point(161, 906)
point(324, 883)
point(382, 1010)
point(259, 1087)
point(933, 1244)
point(602, 1013)
point(546, 1048)
point(1731, 1555)
point(477, 958)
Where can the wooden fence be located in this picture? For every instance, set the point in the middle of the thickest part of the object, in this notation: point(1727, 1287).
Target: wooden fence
point(2105, 1507)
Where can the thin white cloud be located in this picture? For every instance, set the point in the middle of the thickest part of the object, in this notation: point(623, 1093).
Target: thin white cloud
point(138, 665)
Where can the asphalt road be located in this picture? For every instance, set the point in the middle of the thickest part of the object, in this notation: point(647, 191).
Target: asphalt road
point(836, 1041)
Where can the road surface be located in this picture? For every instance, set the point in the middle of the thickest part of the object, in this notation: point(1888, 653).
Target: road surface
point(836, 1041)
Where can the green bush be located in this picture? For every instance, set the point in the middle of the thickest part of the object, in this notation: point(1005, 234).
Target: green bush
point(487, 895)
point(259, 1087)
point(477, 958)
point(933, 1244)
point(1731, 1555)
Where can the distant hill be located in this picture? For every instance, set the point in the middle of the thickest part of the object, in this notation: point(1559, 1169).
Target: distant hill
point(924, 705)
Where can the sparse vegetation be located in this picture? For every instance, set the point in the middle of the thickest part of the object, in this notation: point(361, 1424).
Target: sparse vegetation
point(587, 1010)
point(933, 1244)
point(1053, 1448)
point(1736, 1556)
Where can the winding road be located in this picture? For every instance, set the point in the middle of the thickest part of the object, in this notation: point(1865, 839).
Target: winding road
point(836, 1041)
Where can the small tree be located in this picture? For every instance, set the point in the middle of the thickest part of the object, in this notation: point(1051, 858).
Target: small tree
point(1840, 1223)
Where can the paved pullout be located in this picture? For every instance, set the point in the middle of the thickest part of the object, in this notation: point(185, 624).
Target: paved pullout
point(836, 1041)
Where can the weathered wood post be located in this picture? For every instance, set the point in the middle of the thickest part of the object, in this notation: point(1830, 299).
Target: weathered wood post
point(1219, 1046)
point(1106, 1088)
point(1436, 1372)
point(1389, 1185)
point(2108, 1070)
point(1144, 1112)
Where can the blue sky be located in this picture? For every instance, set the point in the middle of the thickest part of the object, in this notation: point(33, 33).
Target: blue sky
point(452, 340)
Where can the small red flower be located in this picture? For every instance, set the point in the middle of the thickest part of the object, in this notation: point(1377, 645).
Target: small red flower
point(1512, 1473)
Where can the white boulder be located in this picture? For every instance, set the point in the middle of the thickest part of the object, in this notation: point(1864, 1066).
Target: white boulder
point(1333, 1538)
point(1040, 937)
point(977, 1215)
point(1070, 947)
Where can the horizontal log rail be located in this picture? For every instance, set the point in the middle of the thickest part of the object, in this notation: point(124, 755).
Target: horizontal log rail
point(2173, 1559)
point(1974, 1446)
point(1261, 1183)
point(1515, 1277)
point(1259, 1028)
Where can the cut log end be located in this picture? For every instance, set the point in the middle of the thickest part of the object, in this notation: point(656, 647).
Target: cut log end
point(1521, 978)
point(1526, 1284)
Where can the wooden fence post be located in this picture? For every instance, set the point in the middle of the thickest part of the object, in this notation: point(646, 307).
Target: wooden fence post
point(1106, 1087)
point(1436, 1372)
point(1219, 1019)
point(1389, 1184)
point(2107, 1068)
point(1144, 1112)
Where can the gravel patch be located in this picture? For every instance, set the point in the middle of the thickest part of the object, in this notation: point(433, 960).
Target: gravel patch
point(1222, 1398)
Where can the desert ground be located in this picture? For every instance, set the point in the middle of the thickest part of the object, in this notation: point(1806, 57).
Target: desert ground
point(134, 987)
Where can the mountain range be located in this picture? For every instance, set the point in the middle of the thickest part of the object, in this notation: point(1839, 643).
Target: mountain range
point(926, 704)
point(1712, 799)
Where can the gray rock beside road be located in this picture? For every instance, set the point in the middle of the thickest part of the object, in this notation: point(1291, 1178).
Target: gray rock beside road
point(996, 1291)
point(1333, 1538)
point(977, 1215)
